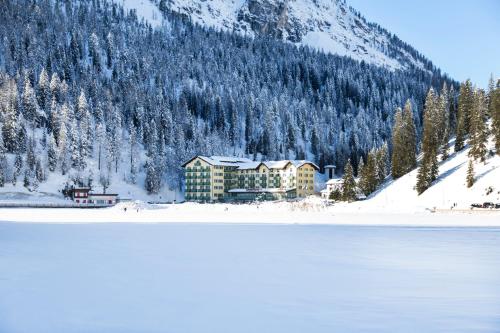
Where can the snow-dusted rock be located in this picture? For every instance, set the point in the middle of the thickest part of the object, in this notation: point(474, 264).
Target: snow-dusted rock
point(328, 25)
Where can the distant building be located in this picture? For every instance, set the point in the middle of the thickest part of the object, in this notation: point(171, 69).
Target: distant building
point(332, 185)
point(217, 178)
point(84, 196)
point(80, 194)
point(103, 199)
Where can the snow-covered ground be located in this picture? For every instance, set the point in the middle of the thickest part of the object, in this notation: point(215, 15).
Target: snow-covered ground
point(302, 212)
point(145, 10)
point(396, 203)
point(61, 278)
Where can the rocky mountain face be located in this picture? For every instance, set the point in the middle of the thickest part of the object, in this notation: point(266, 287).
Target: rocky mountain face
point(328, 25)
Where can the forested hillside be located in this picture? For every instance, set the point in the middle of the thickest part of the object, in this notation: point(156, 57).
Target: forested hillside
point(88, 89)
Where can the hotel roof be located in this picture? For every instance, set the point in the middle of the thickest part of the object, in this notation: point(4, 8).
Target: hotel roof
point(243, 163)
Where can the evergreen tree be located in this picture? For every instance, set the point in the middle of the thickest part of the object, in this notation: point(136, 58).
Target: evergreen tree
point(368, 181)
point(335, 195)
point(398, 147)
point(444, 127)
point(18, 165)
point(8, 114)
point(133, 154)
point(362, 175)
point(465, 105)
point(55, 85)
point(27, 179)
point(152, 183)
point(3, 162)
point(30, 155)
point(348, 183)
point(490, 94)
point(422, 177)
point(44, 90)
point(410, 139)
point(428, 170)
point(74, 146)
point(39, 173)
point(495, 115)
point(404, 142)
point(470, 174)
point(52, 153)
point(30, 106)
point(381, 159)
point(83, 118)
point(478, 130)
point(314, 142)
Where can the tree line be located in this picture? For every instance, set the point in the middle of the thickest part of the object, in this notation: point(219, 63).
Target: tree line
point(471, 120)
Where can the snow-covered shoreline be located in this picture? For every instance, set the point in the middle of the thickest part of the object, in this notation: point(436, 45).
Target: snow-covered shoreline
point(304, 212)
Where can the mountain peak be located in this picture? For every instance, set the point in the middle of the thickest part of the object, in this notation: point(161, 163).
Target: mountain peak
point(327, 25)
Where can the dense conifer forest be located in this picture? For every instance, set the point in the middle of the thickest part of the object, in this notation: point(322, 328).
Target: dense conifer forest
point(87, 88)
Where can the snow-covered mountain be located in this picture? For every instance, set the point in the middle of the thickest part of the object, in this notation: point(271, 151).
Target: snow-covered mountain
point(328, 25)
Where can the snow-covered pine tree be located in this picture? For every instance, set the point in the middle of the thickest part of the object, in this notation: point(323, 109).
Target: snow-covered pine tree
point(64, 139)
point(27, 178)
point(44, 91)
point(133, 153)
point(490, 94)
point(39, 172)
point(54, 119)
point(423, 177)
point(100, 140)
point(470, 174)
point(74, 146)
point(478, 129)
point(428, 170)
point(114, 133)
point(18, 165)
point(348, 183)
point(30, 154)
point(381, 160)
point(30, 105)
point(152, 183)
point(362, 175)
point(444, 127)
point(465, 105)
point(495, 115)
point(52, 153)
point(3, 162)
point(398, 145)
point(409, 139)
point(8, 113)
point(54, 86)
point(94, 52)
point(84, 124)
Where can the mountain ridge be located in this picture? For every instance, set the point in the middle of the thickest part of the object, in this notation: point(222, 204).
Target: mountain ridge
point(329, 26)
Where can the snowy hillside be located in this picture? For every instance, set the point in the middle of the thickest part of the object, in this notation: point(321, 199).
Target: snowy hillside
point(331, 26)
point(449, 188)
point(144, 9)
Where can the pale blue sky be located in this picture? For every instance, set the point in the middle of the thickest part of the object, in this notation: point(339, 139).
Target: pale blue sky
point(460, 37)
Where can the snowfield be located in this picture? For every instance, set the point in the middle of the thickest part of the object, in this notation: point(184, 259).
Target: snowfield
point(446, 203)
point(301, 212)
point(180, 278)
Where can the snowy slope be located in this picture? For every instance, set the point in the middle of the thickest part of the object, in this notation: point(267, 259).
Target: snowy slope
point(328, 25)
point(449, 188)
point(144, 9)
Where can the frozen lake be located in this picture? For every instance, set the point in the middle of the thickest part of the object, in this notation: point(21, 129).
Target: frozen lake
point(247, 278)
